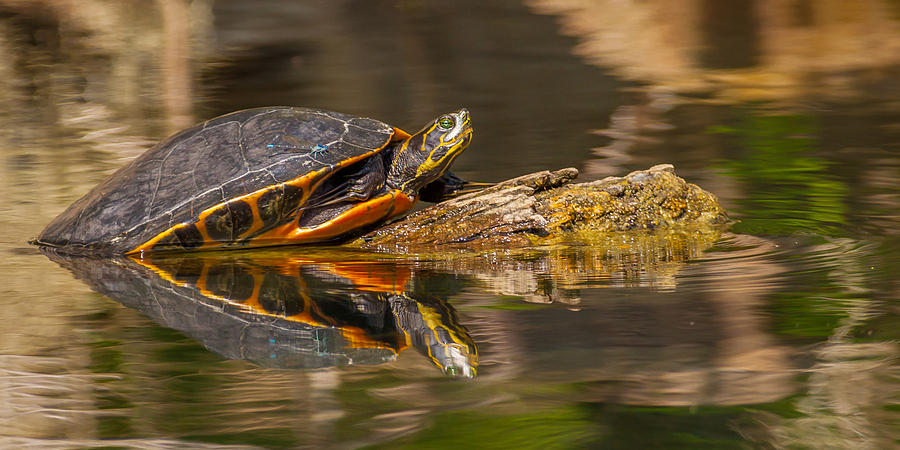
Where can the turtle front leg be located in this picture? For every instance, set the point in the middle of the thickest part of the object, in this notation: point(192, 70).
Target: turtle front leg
point(357, 185)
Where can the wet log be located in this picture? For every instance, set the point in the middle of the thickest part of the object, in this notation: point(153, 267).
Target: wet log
point(543, 206)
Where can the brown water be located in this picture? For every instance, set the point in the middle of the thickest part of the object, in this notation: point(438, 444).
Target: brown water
point(781, 332)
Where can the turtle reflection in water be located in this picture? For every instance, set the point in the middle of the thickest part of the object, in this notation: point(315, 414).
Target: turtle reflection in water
point(263, 177)
point(284, 311)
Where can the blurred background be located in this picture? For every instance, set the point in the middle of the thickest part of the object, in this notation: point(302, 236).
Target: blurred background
point(782, 332)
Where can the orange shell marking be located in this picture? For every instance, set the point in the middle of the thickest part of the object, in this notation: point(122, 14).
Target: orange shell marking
point(250, 199)
point(385, 207)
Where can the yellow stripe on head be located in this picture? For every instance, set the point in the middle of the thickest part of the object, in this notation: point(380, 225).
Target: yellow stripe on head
point(439, 143)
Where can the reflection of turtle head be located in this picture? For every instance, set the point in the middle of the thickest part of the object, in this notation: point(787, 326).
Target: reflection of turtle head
point(426, 155)
point(455, 360)
point(433, 329)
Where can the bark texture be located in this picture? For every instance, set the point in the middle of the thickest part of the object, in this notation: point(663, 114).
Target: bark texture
point(546, 205)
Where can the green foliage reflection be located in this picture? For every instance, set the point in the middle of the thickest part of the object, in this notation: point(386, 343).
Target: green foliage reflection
point(568, 427)
point(593, 425)
point(786, 188)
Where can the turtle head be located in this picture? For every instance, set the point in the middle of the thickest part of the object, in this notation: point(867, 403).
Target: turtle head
point(426, 155)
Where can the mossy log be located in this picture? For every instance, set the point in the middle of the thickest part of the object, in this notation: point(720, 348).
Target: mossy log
point(543, 206)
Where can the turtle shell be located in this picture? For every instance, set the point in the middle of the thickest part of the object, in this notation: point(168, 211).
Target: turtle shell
point(222, 180)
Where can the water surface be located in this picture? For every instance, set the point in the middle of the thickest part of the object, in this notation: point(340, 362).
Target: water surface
point(778, 332)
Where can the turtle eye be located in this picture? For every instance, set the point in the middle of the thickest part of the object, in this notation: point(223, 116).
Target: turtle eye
point(446, 123)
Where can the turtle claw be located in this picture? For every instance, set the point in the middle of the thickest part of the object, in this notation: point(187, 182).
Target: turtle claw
point(468, 188)
point(449, 186)
point(475, 187)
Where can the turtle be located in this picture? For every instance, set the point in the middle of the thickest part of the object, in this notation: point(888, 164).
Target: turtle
point(279, 309)
point(263, 177)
